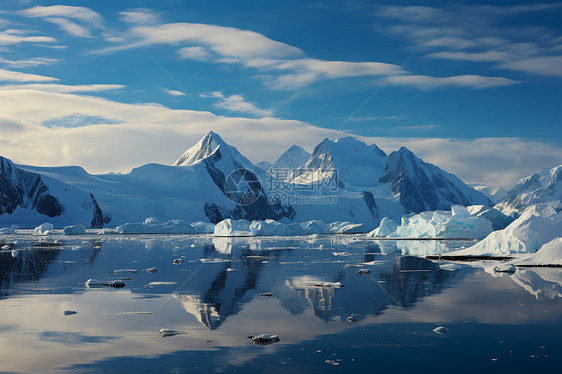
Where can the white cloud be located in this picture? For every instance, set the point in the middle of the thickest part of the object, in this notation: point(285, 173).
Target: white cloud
point(157, 134)
point(551, 65)
point(174, 92)
point(79, 13)
point(194, 53)
point(36, 61)
point(61, 88)
point(237, 103)
point(66, 17)
point(14, 36)
point(418, 127)
point(424, 82)
point(70, 27)
point(16, 76)
point(225, 41)
point(140, 16)
point(488, 56)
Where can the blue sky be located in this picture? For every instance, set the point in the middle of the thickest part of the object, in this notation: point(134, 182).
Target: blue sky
point(474, 87)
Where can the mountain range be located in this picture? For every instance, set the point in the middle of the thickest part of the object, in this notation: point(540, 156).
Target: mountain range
point(342, 180)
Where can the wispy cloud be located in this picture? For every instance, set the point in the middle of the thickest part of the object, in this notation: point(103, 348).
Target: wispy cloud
point(418, 127)
point(237, 103)
point(16, 76)
point(140, 16)
point(548, 65)
point(479, 33)
point(174, 92)
point(30, 62)
point(77, 21)
point(467, 81)
point(15, 36)
point(62, 88)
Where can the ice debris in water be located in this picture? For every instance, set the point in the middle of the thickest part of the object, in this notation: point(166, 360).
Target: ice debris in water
point(9, 230)
point(269, 227)
point(43, 229)
point(264, 339)
point(69, 312)
point(168, 332)
point(178, 261)
point(327, 284)
point(74, 230)
point(441, 330)
point(351, 319)
point(161, 284)
point(363, 271)
point(93, 283)
point(454, 224)
point(266, 294)
point(151, 270)
point(125, 271)
point(176, 226)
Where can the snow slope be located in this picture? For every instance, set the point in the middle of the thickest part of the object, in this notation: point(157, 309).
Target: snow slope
point(421, 186)
point(537, 226)
point(347, 161)
point(29, 199)
point(292, 159)
point(544, 186)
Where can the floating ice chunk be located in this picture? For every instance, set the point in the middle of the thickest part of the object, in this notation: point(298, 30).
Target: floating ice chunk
point(93, 283)
point(537, 226)
point(450, 267)
point(178, 261)
point(151, 226)
point(264, 339)
point(6, 247)
point(44, 229)
point(314, 227)
point(9, 230)
point(441, 330)
point(549, 254)
point(268, 294)
point(346, 228)
point(386, 227)
point(351, 319)
point(230, 227)
point(363, 271)
point(151, 284)
point(74, 230)
point(125, 271)
point(327, 284)
point(69, 312)
point(203, 227)
point(151, 270)
point(168, 332)
point(459, 211)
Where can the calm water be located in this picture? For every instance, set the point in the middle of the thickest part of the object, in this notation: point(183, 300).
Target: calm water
point(495, 323)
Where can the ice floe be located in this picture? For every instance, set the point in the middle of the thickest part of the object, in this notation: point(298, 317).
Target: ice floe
point(230, 227)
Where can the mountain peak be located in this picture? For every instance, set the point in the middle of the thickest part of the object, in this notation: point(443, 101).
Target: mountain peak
point(203, 149)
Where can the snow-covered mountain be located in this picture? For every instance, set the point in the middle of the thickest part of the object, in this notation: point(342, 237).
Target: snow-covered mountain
point(544, 186)
point(496, 194)
point(347, 161)
point(29, 199)
point(292, 158)
point(421, 186)
point(213, 181)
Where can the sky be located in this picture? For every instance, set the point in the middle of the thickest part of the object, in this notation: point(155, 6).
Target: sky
point(473, 87)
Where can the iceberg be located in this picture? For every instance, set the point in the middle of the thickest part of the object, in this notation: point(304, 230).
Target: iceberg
point(74, 230)
point(230, 227)
point(549, 254)
point(9, 230)
point(270, 227)
point(43, 229)
point(537, 226)
point(176, 226)
point(456, 224)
